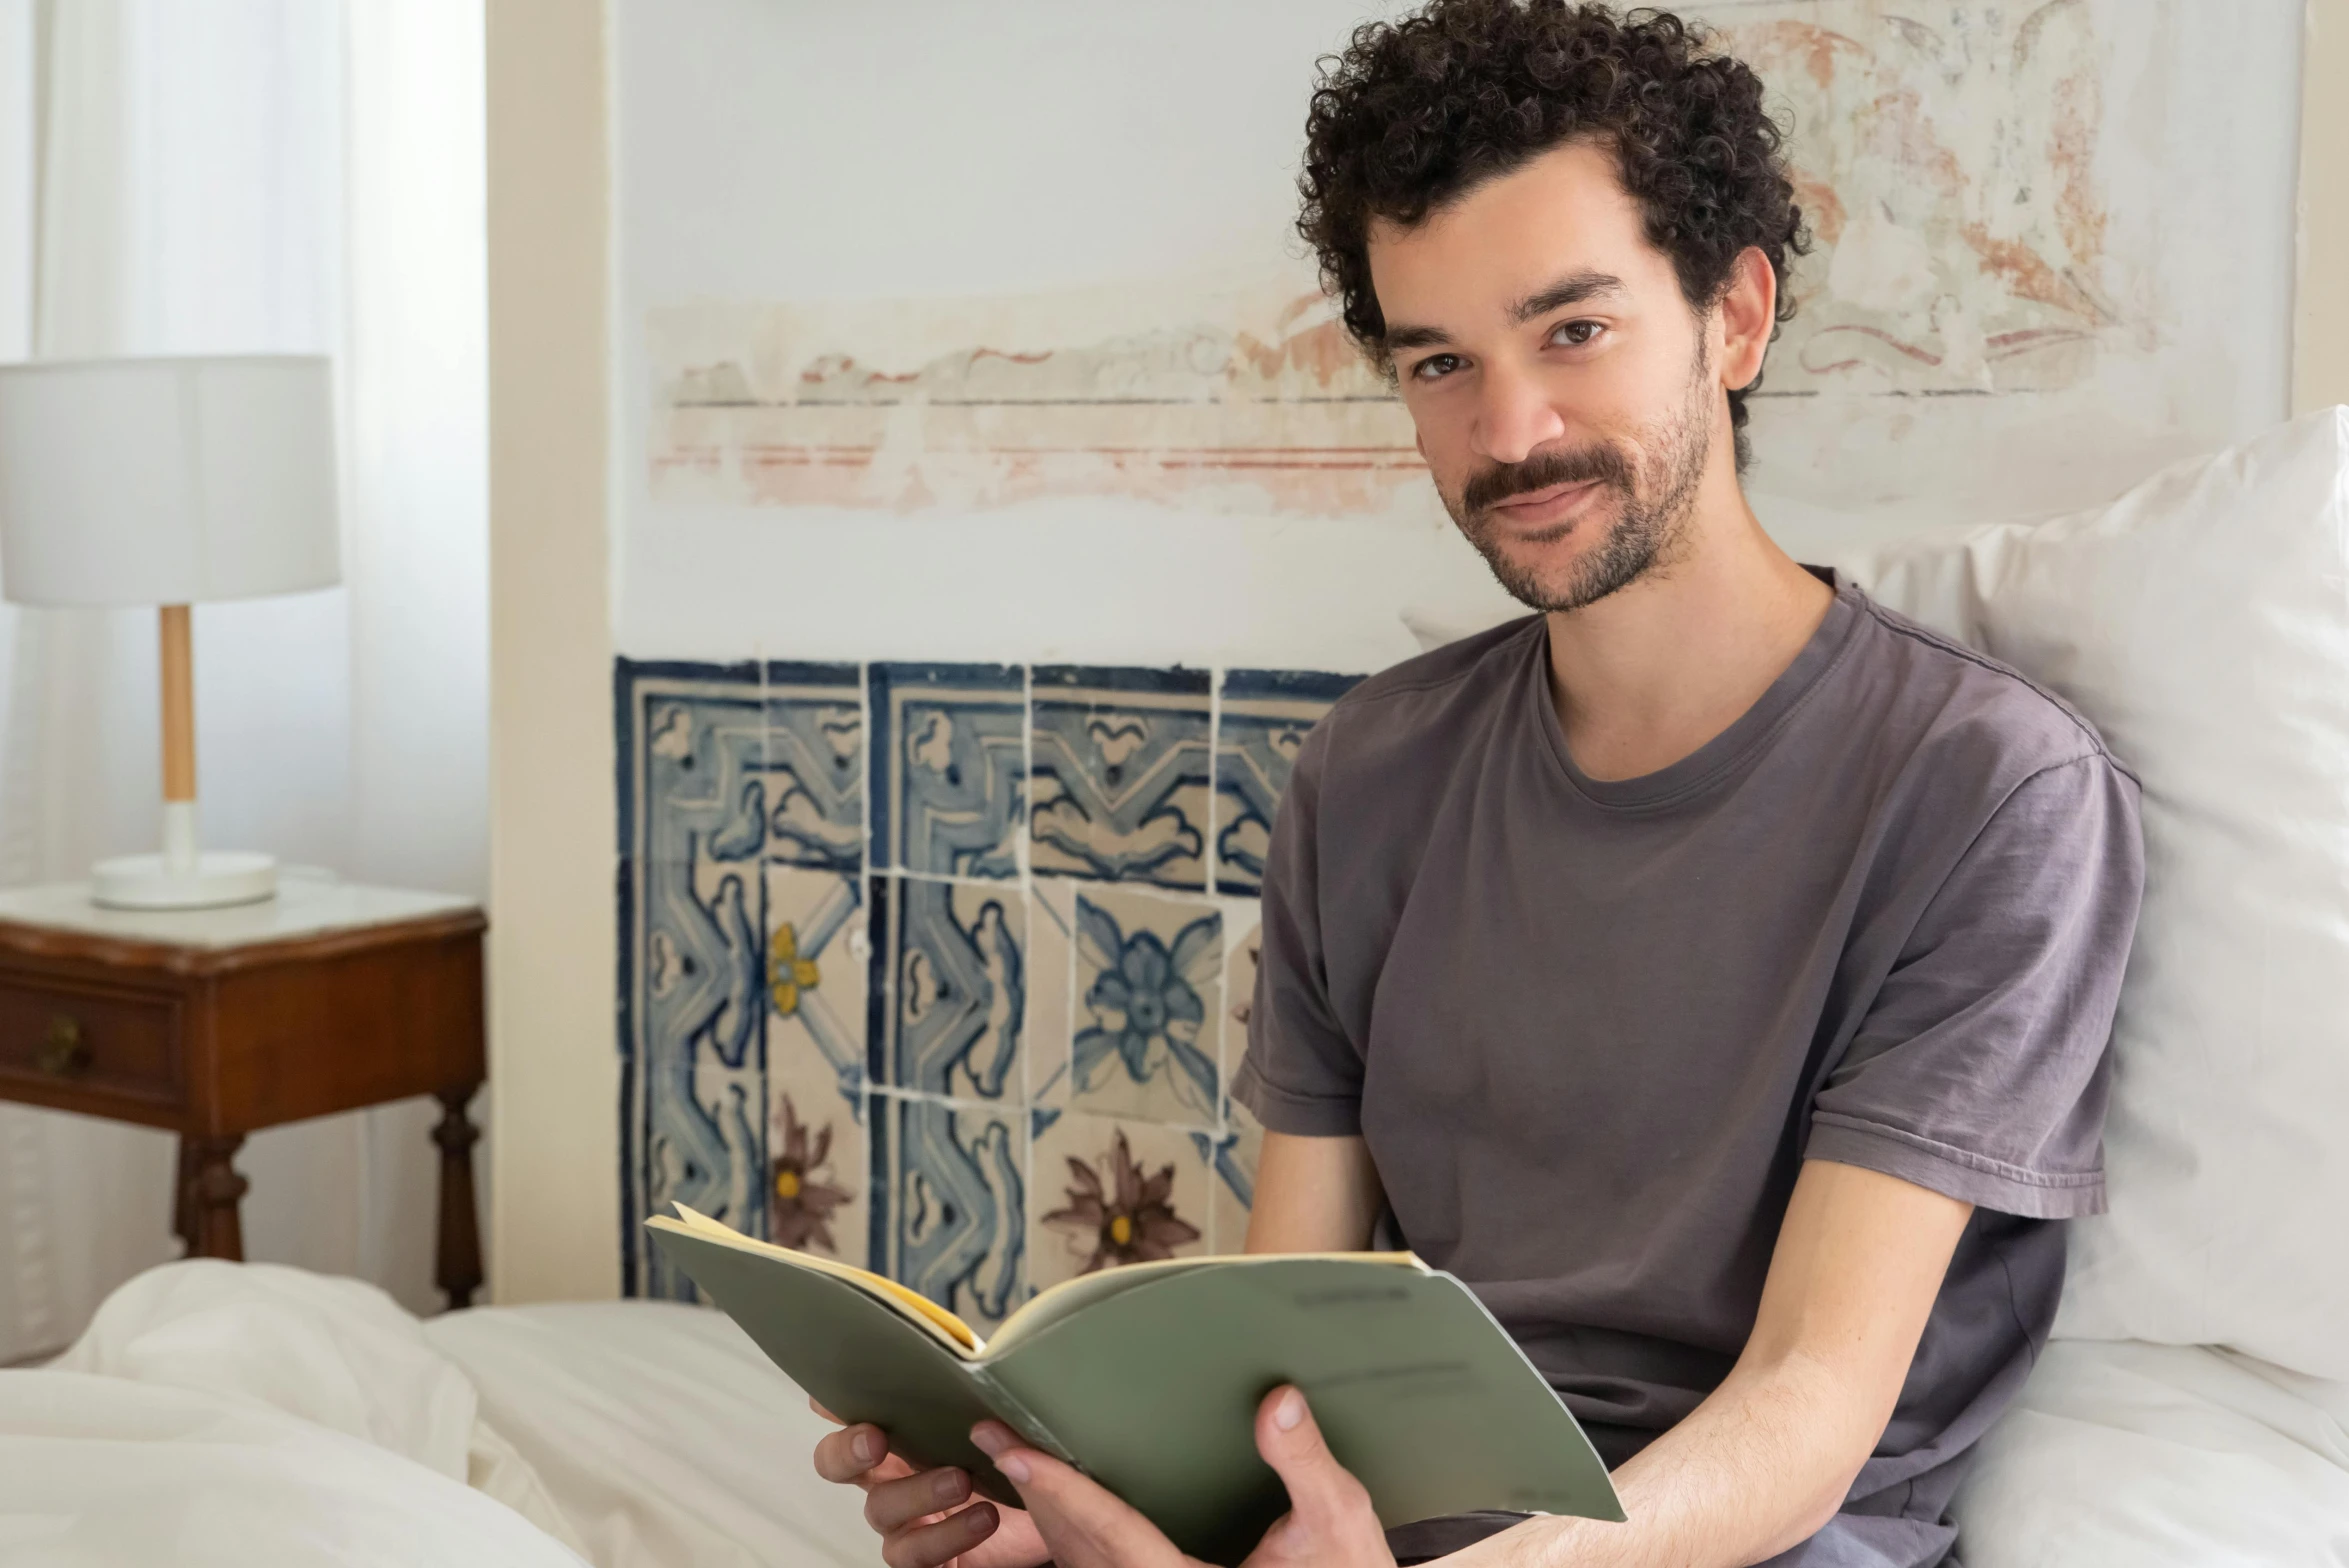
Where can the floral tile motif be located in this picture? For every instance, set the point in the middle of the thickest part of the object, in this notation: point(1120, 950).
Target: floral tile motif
point(1264, 717)
point(1112, 1192)
point(818, 1167)
point(949, 766)
point(818, 961)
point(1148, 984)
point(957, 980)
point(960, 1234)
point(1121, 775)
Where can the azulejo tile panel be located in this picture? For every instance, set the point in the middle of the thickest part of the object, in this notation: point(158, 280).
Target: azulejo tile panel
point(1265, 717)
point(872, 1007)
point(1121, 777)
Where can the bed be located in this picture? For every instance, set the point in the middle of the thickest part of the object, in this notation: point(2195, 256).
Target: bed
point(261, 1415)
point(2193, 1409)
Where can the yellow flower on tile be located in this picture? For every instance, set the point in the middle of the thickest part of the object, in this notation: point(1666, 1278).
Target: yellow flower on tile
point(788, 974)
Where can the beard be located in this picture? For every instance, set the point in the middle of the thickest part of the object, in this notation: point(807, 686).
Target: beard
point(1653, 501)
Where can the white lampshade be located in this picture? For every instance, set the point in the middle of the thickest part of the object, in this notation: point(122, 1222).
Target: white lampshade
point(166, 481)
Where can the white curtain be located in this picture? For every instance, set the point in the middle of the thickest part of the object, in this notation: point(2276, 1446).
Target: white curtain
point(237, 176)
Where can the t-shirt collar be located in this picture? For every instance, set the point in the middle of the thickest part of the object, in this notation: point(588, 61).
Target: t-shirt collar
point(1726, 752)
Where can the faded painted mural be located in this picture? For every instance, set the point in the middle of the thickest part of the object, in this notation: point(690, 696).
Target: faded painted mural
point(1946, 161)
point(1946, 158)
point(1248, 396)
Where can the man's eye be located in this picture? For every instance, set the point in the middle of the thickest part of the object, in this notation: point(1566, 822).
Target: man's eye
point(1577, 333)
point(1435, 366)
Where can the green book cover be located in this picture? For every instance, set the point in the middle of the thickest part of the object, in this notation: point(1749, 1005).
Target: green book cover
point(1148, 1378)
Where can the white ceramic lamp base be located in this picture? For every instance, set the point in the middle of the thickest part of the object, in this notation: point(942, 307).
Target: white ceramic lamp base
point(154, 882)
point(181, 877)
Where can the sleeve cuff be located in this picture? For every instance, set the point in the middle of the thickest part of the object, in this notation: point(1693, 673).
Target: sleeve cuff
point(1305, 1115)
point(1954, 1172)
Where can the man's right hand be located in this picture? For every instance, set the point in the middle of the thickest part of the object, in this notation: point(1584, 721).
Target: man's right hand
point(925, 1518)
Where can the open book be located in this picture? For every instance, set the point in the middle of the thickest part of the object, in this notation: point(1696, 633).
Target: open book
point(1148, 1378)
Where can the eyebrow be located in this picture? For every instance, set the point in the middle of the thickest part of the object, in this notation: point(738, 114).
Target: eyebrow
point(1574, 289)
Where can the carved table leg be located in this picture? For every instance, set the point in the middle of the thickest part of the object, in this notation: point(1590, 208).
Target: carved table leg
point(213, 1190)
point(459, 1271)
point(183, 1197)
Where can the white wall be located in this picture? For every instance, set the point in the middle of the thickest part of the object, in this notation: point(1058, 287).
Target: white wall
point(782, 150)
point(802, 151)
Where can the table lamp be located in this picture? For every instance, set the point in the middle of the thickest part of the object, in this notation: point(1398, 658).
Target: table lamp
point(169, 482)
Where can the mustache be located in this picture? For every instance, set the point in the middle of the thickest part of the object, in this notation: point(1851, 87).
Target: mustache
point(1542, 470)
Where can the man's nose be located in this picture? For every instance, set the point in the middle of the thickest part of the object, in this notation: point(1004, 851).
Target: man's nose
point(1514, 416)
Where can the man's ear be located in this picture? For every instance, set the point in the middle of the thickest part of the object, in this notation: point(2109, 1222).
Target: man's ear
point(1748, 314)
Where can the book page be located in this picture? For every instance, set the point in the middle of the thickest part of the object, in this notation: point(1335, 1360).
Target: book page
point(1058, 1303)
point(914, 1304)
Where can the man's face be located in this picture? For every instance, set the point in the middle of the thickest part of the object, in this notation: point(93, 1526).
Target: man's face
point(1563, 388)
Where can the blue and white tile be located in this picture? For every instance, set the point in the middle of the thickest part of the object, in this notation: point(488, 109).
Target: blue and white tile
point(1243, 949)
point(1232, 1155)
point(1148, 986)
point(814, 773)
point(818, 1193)
point(959, 1229)
point(957, 976)
point(1112, 1191)
point(818, 963)
point(1122, 770)
point(818, 971)
point(1051, 987)
point(950, 767)
point(693, 972)
point(1263, 719)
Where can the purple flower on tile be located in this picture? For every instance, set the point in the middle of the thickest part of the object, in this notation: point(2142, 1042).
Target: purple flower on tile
point(1128, 1217)
point(803, 1203)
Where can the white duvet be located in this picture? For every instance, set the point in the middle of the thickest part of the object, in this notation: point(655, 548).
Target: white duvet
point(262, 1416)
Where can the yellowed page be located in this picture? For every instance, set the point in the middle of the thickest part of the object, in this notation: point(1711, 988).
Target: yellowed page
point(913, 1303)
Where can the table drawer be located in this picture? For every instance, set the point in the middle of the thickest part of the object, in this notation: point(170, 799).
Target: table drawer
point(68, 1039)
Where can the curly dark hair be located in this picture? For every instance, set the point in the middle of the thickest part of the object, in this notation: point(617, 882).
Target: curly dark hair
point(1417, 112)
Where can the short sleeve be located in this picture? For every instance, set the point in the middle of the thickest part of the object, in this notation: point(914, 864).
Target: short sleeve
point(1301, 1073)
point(1981, 1069)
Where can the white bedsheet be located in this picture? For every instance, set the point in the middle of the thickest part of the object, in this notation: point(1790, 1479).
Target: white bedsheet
point(665, 1436)
point(2128, 1455)
point(105, 1472)
point(262, 1416)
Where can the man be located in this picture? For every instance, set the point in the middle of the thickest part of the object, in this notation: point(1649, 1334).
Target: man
point(1713, 970)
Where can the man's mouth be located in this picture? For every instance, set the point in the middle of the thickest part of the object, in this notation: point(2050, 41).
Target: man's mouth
point(1548, 505)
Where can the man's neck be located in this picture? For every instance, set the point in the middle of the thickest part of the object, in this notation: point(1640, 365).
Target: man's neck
point(1651, 673)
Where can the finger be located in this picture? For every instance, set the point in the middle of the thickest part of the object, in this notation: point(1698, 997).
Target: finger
point(826, 1414)
point(1330, 1516)
point(847, 1454)
point(892, 1505)
point(933, 1545)
point(1082, 1522)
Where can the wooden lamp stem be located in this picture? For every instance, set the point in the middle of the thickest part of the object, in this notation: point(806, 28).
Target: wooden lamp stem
point(179, 737)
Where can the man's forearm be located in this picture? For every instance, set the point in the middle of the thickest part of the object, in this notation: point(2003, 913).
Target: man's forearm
point(1758, 1467)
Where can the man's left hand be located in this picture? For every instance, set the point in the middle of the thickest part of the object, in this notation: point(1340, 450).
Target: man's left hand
point(1329, 1523)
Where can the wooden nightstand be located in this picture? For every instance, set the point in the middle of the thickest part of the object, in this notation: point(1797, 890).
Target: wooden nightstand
point(219, 1022)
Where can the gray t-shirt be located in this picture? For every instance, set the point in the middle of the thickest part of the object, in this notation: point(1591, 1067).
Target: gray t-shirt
point(1590, 1029)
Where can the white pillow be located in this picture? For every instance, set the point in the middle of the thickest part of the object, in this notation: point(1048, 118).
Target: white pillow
point(2202, 623)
